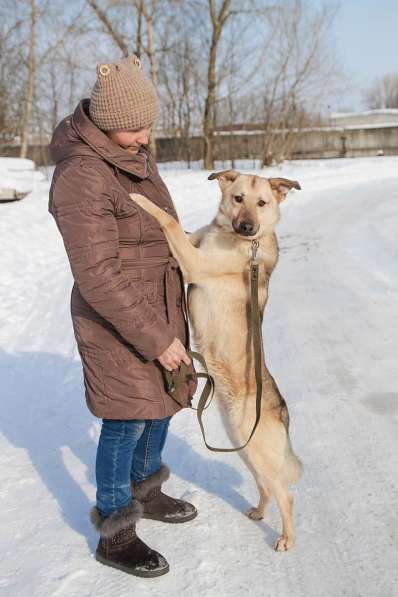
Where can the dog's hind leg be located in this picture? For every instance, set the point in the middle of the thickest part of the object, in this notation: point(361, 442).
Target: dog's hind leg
point(285, 504)
point(258, 513)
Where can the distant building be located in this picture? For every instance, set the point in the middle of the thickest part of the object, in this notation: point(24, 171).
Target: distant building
point(370, 118)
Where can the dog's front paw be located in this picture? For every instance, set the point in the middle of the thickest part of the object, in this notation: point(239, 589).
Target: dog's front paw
point(150, 207)
point(254, 513)
point(137, 198)
point(284, 543)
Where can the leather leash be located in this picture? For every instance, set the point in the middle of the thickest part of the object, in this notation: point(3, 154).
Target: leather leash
point(174, 383)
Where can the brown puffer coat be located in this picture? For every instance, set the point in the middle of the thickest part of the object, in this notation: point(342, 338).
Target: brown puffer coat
point(126, 302)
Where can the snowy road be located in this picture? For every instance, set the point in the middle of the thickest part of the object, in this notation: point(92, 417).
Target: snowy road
point(331, 342)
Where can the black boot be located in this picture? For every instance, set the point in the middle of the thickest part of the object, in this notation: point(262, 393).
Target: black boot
point(120, 547)
point(159, 506)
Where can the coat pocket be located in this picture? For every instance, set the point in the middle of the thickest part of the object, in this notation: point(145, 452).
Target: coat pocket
point(150, 291)
point(128, 377)
point(93, 373)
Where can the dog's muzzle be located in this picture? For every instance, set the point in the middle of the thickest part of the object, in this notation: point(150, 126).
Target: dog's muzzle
point(245, 228)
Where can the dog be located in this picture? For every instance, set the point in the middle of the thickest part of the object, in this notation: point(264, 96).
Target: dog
point(215, 263)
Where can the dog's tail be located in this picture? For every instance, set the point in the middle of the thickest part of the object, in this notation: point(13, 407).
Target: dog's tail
point(293, 467)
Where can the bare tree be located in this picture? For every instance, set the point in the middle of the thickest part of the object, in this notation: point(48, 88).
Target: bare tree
point(60, 64)
point(110, 27)
point(218, 20)
point(138, 38)
point(219, 97)
point(30, 68)
point(148, 10)
point(11, 69)
point(30, 88)
point(180, 85)
point(300, 67)
point(383, 93)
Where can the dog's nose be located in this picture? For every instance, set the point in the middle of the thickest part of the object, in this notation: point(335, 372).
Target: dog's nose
point(246, 228)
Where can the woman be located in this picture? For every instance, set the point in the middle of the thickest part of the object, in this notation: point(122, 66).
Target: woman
point(127, 305)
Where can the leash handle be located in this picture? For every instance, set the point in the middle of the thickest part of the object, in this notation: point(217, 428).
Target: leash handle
point(173, 383)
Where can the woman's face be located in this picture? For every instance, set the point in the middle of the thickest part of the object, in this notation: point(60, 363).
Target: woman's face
point(130, 140)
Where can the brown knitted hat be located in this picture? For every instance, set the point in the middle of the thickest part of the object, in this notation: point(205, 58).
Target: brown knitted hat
point(122, 98)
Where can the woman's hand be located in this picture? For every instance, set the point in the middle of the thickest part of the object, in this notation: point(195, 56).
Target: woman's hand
point(173, 355)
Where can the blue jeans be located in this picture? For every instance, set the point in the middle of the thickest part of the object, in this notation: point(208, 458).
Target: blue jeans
point(127, 451)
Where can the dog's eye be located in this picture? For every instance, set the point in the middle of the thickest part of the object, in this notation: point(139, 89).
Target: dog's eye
point(261, 203)
point(238, 198)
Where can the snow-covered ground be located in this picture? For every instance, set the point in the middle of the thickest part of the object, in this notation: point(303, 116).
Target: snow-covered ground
point(331, 341)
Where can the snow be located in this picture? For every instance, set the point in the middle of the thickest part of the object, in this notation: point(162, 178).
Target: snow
point(331, 343)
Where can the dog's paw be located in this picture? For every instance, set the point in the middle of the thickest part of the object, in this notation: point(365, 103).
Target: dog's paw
point(284, 543)
point(137, 198)
point(254, 513)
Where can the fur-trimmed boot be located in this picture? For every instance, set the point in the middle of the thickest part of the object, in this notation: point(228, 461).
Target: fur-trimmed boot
point(156, 504)
point(120, 547)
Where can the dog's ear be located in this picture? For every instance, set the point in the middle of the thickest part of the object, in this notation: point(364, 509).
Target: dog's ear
point(281, 187)
point(224, 178)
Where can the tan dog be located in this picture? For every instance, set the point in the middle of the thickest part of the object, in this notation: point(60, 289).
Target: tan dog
point(215, 262)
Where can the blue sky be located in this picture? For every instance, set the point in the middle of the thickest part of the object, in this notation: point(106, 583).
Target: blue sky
point(366, 35)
